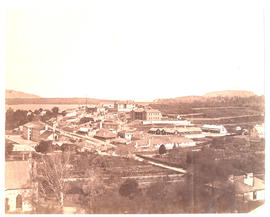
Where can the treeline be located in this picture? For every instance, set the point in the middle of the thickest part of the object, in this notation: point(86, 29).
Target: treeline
point(20, 117)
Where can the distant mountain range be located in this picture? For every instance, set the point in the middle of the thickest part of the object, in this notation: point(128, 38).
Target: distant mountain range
point(18, 97)
point(11, 94)
point(230, 93)
point(225, 93)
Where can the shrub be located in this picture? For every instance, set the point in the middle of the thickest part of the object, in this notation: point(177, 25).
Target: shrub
point(129, 188)
point(162, 149)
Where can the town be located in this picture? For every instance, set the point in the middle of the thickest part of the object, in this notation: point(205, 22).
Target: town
point(131, 157)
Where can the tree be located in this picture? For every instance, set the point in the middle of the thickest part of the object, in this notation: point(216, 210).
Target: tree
point(129, 188)
point(162, 149)
point(17, 118)
point(53, 171)
point(156, 191)
point(44, 147)
point(93, 188)
point(55, 110)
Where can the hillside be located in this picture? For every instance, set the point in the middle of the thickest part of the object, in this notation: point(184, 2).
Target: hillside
point(12, 94)
point(230, 93)
point(191, 99)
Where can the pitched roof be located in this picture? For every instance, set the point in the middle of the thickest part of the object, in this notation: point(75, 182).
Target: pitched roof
point(17, 174)
point(26, 148)
point(46, 134)
point(35, 125)
point(241, 187)
point(119, 141)
point(104, 133)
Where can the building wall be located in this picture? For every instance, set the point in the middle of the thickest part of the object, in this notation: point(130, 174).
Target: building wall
point(260, 195)
point(171, 145)
point(152, 116)
point(35, 135)
point(146, 115)
point(27, 195)
point(253, 196)
point(31, 134)
point(137, 115)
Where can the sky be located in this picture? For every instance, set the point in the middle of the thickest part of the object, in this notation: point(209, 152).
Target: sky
point(140, 50)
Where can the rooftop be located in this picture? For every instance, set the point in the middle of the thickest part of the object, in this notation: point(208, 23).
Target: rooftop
point(106, 134)
point(27, 148)
point(241, 187)
point(35, 125)
point(46, 134)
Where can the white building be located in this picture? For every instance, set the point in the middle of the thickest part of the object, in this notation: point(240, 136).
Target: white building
point(20, 189)
point(214, 129)
point(257, 131)
point(71, 114)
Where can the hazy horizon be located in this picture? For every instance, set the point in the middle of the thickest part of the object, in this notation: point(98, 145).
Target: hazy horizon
point(151, 100)
point(139, 51)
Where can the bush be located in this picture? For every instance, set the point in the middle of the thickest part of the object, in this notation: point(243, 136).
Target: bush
point(44, 147)
point(129, 188)
point(162, 149)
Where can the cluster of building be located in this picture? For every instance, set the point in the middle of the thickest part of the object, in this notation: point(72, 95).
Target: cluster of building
point(124, 125)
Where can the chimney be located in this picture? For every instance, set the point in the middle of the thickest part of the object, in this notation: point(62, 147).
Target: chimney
point(249, 179)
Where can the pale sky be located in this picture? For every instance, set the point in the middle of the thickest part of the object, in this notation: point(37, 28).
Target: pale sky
point(138, 50)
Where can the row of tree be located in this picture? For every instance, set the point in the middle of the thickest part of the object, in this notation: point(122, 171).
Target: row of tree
point(19, 117)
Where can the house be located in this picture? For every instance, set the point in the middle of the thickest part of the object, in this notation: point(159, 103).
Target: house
point(118, 141)
point(152, 115)
point(147, 114)
point(248, 187)
point(83, 131)
point(125, 134)
point(245, 187)
point(20, 189)
point(48, 135)
point(124, 107)
point(22, 152)
point(33, 130)
point(105, 135)
point(111, 124)
point(143, 145)
point(71, 114)
point(220, 129)
point(257, 131)
point(171, 142)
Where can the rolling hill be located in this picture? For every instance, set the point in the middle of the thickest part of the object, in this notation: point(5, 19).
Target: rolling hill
point(230, 93)
point(190, 99)
point(12, 94)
